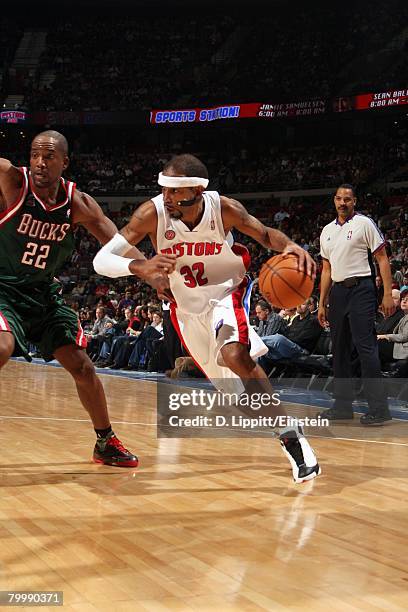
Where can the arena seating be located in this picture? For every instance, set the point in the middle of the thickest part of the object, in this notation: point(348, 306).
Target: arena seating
point(10, 34)
point(130, 72)
point(149, 66)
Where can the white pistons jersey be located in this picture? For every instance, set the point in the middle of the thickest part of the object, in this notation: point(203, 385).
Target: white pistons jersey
point(208, 266)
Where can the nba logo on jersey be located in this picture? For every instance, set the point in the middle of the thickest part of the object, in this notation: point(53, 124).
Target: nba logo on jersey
point(212, 224)
point(170, 234)
point(349, 235)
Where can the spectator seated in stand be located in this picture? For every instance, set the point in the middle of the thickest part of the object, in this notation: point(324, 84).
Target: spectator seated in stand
point(399, 340)
point(303, 363)
point(386, 326)
point(85, 320)
point(120, 334)
point(157, 360)
point(270, 322)
point(300, 338)
point(154, 331)
point(96, 336)
point(126, 302)
point(123, 345)
point(288, 314)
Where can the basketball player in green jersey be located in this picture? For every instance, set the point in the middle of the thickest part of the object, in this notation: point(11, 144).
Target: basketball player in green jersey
point(38, 211)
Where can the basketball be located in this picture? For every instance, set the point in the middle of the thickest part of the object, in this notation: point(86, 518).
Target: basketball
point(281, 283)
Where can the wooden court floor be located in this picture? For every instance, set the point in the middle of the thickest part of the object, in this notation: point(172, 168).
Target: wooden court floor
point(201, 524)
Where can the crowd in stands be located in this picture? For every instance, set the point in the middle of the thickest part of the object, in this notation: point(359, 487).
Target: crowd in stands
point(150, 62)
point(281, 56)
point(315, 167)
point(296, 342)
point(10, 35)
point(117, 169)
point(122, 170)
point(302, 56)
point(127, 339)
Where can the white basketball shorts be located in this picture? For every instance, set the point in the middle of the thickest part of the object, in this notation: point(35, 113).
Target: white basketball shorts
point(225, 322)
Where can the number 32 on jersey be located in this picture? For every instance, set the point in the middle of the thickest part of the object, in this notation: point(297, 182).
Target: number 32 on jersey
point(194, 276)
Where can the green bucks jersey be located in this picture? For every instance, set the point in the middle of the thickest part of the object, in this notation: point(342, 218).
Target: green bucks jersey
point(35, 238)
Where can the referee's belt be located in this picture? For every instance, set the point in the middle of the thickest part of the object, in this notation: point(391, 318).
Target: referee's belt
point(352, 281)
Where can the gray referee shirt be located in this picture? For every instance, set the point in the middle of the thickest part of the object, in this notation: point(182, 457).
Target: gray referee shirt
point(346, 246)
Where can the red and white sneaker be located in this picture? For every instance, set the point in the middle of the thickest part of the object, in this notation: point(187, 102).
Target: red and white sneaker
point(110, 451)
point(300, 454)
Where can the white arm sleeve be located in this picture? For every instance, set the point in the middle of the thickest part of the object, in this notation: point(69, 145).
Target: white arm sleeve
point(109, 261)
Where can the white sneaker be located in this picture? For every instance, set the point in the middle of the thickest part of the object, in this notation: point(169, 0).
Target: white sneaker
point(300, 454)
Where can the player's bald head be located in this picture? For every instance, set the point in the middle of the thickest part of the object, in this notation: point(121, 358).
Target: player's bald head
point(59, 139)
point(48, 159)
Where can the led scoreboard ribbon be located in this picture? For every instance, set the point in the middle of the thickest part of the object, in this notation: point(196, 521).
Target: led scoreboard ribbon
point(383, 99)
point(191, 115)
point(302, 108)
point(238, 111)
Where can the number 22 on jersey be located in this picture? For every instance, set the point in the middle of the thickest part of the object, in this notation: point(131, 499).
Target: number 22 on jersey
point(36, 255)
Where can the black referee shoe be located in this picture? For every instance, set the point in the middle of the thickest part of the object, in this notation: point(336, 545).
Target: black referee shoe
point(334, 414)
point(375, 419)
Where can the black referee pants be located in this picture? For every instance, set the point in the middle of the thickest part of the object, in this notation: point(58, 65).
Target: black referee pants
point(352, 316)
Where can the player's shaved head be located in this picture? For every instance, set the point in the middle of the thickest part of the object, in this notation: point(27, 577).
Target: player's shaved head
point(48, 159)
point(59, 138)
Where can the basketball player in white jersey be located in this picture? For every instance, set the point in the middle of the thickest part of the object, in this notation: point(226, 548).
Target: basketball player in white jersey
point(209, 285)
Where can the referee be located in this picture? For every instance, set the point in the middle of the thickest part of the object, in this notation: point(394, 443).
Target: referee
point(347, 245)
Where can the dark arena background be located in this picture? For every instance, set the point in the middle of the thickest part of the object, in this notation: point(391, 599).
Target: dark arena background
point(283, 102)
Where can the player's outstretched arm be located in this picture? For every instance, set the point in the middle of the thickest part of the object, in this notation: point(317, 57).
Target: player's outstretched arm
point(234, 215)
point(117, 257)
point(87, 212)
point(113, 259)
point(8, 171)
point(10, 178)
point(6, 166)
